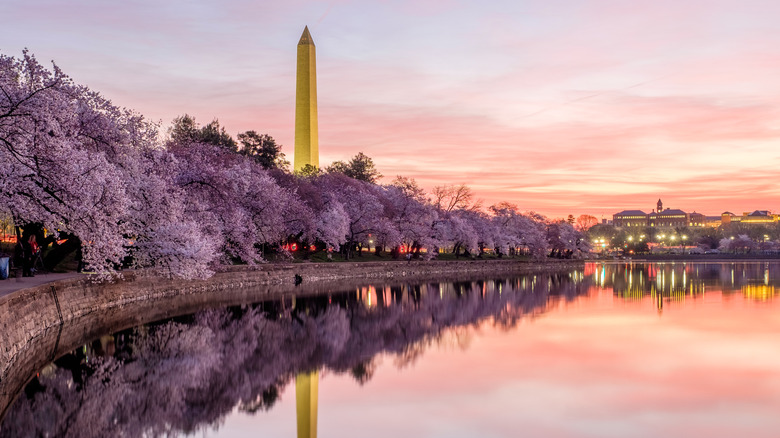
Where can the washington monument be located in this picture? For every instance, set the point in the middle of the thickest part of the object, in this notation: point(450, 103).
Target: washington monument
point(306, 133)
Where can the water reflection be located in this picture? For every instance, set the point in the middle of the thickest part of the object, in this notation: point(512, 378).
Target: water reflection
point(306, 403)
point(678, 281)
point(187, 374)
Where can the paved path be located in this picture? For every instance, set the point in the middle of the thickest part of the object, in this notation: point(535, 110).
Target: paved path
point(13, 284)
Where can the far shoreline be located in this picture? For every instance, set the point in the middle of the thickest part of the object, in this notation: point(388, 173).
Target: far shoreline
point(365, 267)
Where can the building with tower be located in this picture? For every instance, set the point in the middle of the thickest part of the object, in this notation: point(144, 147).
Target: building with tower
point(669, 218)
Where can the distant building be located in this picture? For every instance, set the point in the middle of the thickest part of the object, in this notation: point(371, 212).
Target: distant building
point(630, 218)
point(669, 218)
point(697, 220)
point(758, 217)
point(713, 221)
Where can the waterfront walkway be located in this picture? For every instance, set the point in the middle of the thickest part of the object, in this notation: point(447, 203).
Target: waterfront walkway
point(12, 284)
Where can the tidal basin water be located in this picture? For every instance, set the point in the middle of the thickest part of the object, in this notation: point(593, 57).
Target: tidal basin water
point(607, 350)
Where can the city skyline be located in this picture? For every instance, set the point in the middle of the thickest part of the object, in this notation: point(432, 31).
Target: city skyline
point(556, 107)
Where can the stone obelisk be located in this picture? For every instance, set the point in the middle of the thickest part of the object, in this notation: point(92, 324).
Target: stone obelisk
point(306, 132)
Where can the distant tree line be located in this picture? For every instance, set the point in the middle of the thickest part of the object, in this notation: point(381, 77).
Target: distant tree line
point(729, 238)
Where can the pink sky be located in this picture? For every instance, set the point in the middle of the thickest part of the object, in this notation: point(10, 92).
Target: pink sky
point(558, 106)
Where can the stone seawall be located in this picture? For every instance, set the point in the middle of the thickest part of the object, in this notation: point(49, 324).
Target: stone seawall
point(40, 323)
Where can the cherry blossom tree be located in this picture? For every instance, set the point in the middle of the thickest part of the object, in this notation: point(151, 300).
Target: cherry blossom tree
point(565, 241)
point(483, 227)
point(509, 226)
point(448, 198)
point(365, 211)
point(63, 161)
point(73, 162)
point(740, 244)
point(407, 208)
point(333, 224)
point(234, 199)
point(456, 232)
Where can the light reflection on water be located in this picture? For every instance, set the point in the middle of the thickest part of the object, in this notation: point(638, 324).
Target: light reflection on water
point(676, 281)
point(662, 349)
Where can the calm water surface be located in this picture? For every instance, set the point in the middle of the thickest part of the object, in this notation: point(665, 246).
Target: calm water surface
point(611, 350)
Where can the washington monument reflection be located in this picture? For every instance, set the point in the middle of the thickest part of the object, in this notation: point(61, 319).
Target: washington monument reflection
point(306, 386)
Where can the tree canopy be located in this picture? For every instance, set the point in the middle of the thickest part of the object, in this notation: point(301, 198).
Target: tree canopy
point(73, 162)
point(185, 129)
point(263, 148)
point(360, 167)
